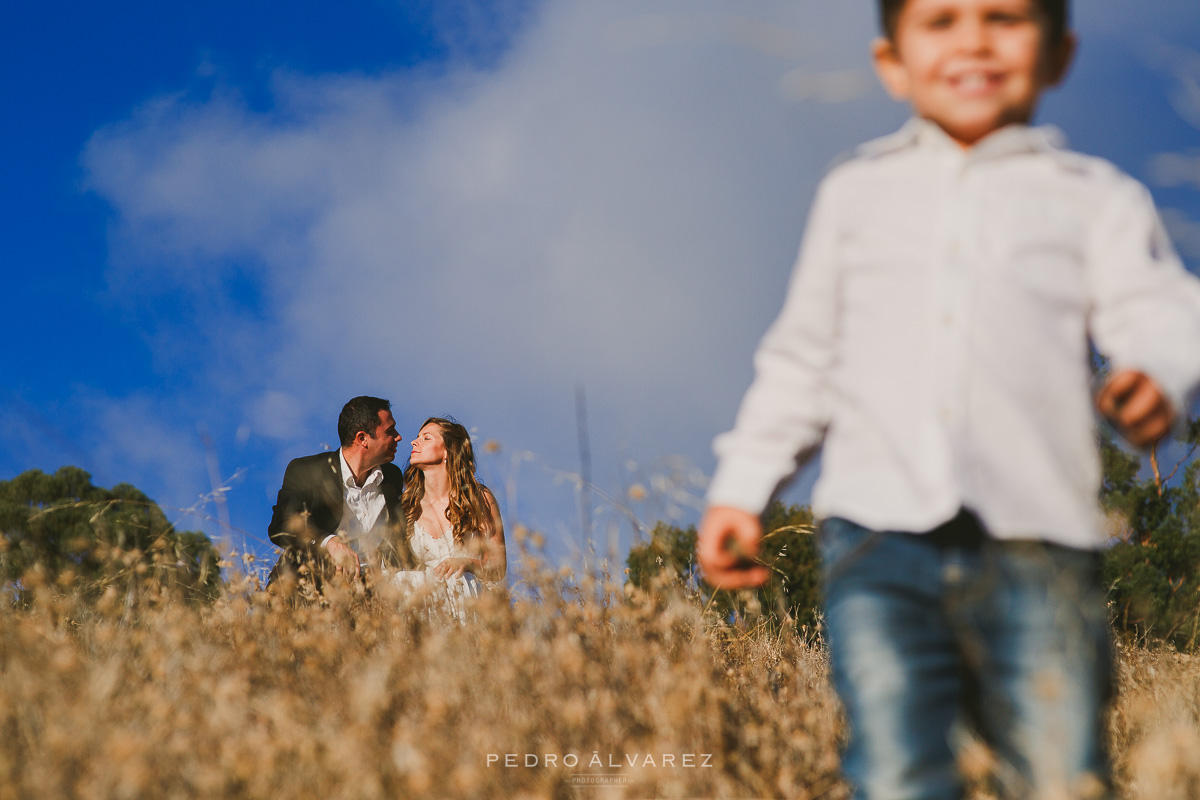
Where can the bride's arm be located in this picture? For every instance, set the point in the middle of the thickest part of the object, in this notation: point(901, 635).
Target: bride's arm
point(488, 560)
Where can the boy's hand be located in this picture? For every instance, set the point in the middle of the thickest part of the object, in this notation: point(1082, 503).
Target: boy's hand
point(1136, 406)
point(729, 539)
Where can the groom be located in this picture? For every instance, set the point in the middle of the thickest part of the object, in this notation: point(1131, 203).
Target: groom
point(338, 512)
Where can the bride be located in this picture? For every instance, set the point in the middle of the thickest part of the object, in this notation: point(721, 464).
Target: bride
point(454, 524)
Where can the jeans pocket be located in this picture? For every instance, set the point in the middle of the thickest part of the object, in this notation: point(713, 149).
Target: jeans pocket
point(841, 542)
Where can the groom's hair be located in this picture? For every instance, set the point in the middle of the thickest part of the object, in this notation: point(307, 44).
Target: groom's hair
point(360, 414)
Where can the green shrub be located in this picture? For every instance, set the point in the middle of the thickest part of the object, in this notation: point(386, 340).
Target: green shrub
point(60, 531)
point(792, 595)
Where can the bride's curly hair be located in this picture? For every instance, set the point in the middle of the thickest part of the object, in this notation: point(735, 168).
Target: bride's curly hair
point(468, 511)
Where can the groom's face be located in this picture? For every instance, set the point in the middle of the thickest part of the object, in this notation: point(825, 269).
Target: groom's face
point(381, 446)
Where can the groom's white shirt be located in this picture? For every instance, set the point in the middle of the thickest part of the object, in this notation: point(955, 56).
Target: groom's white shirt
point(364, 511)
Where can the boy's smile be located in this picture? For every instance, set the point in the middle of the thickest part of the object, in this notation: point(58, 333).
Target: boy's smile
point(971, 66)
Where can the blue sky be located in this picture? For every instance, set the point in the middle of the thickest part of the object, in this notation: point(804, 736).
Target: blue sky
point(224, 219)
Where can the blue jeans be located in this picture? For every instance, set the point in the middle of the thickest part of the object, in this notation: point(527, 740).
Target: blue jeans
point(930, 634)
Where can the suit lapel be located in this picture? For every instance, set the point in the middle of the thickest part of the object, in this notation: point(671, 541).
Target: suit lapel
point(331, 483)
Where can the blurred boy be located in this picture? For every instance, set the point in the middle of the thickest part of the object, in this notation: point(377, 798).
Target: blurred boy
point(935, 342)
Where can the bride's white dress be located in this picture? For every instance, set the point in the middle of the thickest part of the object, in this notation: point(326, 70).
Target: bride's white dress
point(430, 552)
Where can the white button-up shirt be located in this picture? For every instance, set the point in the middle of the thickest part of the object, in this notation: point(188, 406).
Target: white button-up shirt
point(935, 337)
point(364, 514)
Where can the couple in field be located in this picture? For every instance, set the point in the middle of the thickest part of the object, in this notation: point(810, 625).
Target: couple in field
point(351, 514)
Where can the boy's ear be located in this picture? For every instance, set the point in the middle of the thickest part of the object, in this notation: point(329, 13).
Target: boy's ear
point(1061, 59)
point(890, 68)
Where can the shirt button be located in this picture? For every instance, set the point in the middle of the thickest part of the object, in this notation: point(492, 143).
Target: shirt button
point(948, 320)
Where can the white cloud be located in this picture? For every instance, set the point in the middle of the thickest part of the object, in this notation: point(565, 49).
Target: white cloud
point(1176, 169)
point(1181, 169)
point(614, 202)
point(827, 87)
point(1186, 97)
point(1185, 232)
point(154, 439)
point(276, 415)
point(1131, 20)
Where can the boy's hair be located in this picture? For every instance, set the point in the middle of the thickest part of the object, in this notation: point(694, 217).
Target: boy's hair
point(1057, 16)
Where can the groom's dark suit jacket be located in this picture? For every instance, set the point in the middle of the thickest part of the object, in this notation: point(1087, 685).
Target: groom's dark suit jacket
point(310, 506)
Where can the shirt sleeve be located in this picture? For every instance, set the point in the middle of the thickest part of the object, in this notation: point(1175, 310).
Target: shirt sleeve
point(784, 414)
point(1145, 305)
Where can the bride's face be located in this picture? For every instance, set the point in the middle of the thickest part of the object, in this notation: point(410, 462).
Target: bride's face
point(428, 448)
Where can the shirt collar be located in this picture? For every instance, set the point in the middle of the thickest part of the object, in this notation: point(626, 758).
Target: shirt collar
point(922, 134)
point(374, 477)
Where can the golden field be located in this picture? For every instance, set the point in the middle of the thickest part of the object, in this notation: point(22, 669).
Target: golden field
point(146, 696)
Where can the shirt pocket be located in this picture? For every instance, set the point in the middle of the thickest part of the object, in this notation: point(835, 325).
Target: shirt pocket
point(1041, 255)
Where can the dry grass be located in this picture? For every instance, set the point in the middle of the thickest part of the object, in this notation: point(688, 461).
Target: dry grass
point(149, 697)
point(1155, 725)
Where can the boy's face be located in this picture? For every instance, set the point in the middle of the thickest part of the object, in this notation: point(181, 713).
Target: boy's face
point(971, 66)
